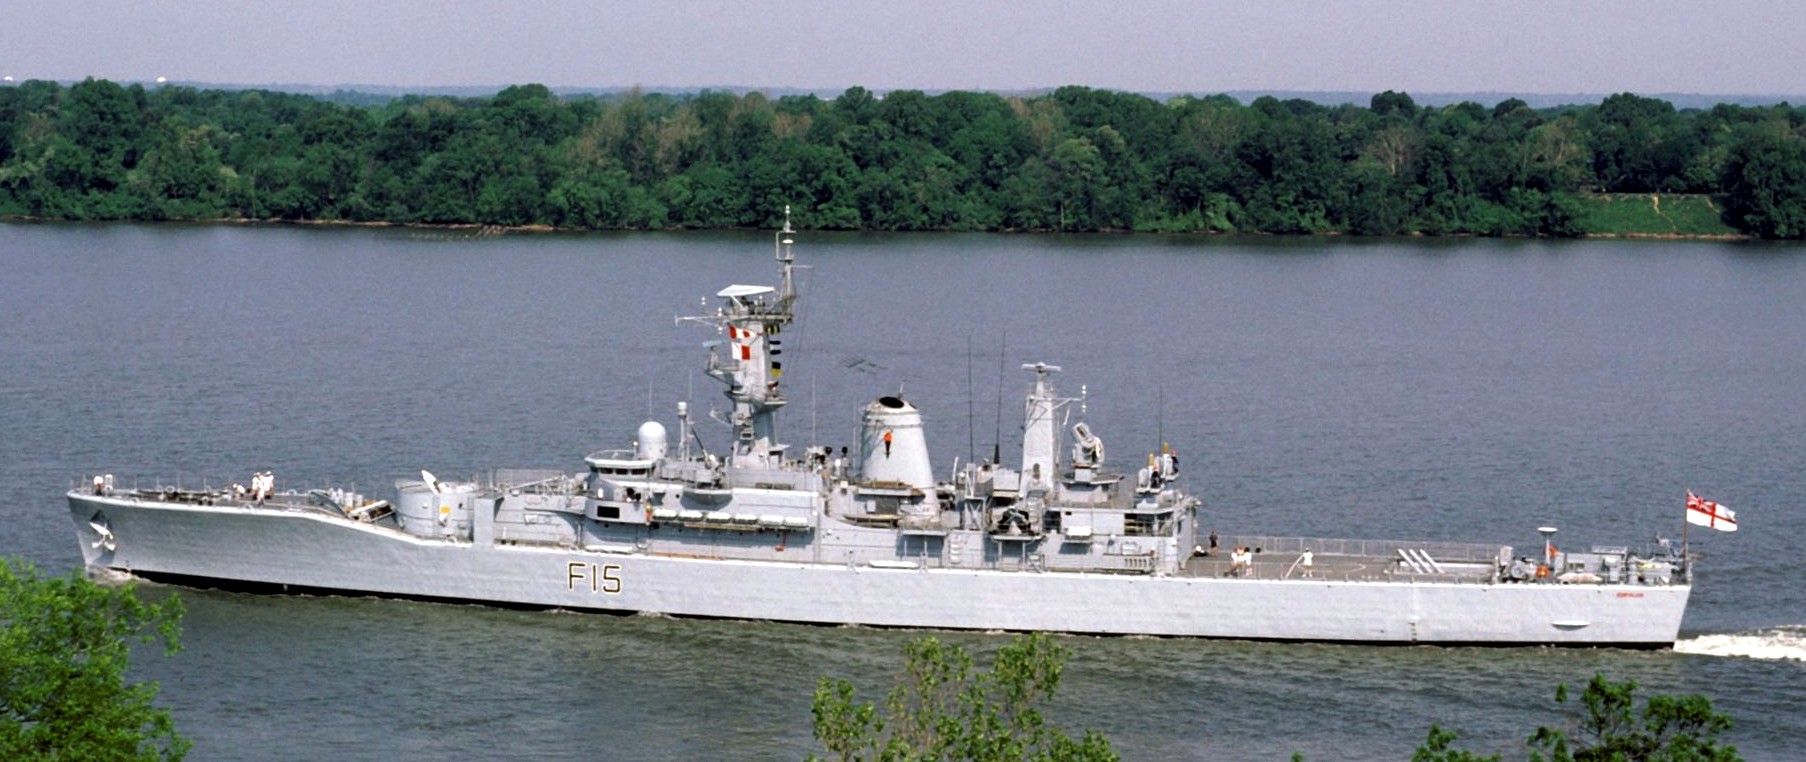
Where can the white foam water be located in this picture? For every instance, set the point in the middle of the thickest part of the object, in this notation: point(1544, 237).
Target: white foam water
point(1787, 643)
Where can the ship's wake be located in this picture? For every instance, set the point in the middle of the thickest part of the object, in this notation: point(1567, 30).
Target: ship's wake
point(1785, 643)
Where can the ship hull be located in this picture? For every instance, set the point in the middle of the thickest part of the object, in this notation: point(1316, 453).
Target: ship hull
point(268, 548)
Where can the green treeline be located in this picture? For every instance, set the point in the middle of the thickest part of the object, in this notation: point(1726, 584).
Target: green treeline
point(1077, 159)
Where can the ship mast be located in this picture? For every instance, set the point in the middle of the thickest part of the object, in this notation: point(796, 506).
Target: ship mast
point(752, 317)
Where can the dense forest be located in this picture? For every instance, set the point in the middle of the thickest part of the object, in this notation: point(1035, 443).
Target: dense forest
point(1075, 159)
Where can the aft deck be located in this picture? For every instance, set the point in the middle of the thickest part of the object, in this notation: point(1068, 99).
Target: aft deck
point(1350, 560)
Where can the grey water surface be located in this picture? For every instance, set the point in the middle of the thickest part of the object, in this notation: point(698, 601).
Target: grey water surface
point(1467, 390)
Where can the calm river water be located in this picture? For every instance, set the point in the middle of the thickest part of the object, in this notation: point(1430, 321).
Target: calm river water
point(1454, 390)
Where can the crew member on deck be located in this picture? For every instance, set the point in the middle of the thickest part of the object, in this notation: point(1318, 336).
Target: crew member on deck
point(1239, 561)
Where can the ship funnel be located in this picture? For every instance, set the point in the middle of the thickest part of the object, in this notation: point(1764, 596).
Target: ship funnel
point(650, 442)
point(892, 447)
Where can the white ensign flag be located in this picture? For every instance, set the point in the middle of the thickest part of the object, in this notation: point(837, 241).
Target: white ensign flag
point(1709, 514)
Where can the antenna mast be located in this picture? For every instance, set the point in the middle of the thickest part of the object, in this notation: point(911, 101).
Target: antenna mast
point(752, 317)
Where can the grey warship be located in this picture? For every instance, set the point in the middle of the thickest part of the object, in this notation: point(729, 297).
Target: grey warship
point(1059, 540)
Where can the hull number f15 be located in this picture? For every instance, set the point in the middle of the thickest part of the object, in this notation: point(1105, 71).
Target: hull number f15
point(599, 578)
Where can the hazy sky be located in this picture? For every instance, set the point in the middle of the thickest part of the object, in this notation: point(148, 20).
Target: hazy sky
point(1647, 46)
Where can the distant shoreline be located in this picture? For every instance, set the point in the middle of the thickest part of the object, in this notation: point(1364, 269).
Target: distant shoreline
point(1076, 159)
point(479, 229)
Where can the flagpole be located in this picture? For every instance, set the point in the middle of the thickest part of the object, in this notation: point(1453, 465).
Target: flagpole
point(1686, 555)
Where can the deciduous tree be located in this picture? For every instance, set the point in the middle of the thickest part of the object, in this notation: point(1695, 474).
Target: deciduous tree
point(65, 644)
point(1610, 729)
point(941, 710)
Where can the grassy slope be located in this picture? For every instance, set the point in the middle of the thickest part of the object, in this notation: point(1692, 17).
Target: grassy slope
point(1647, 215)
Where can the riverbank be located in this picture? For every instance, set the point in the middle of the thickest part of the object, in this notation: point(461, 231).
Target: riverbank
point(1665, 217)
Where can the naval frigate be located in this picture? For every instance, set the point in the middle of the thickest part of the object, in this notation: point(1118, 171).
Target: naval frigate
point(1060, 541)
